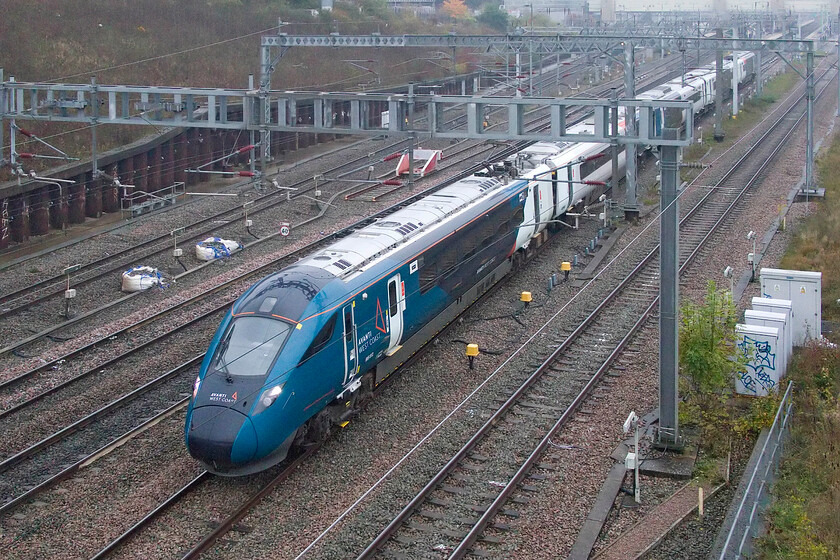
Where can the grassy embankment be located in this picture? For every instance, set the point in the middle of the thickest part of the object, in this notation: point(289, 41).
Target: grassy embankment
point(750, 114)
point(804, 519)
point(201, 43)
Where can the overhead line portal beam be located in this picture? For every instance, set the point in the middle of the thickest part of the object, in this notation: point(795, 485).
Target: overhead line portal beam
point(202, 108)
point(540, 43)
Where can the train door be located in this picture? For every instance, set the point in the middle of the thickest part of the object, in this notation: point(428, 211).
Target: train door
point(547, 201)
point(558, 209)
point(396, 297)
point(351, 342)
point(571, 180)
point(535, 192)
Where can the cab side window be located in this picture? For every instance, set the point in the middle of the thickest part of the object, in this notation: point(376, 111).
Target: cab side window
point(320, 340)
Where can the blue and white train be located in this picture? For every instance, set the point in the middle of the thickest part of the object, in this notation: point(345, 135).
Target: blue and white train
point(298, 351)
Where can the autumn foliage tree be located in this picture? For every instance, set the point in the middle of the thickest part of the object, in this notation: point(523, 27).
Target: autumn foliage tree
point(456, 9)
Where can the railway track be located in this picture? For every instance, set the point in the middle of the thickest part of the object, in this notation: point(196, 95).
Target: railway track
point(44, 294)
point(456, 512)
point(471, 152)
point(47, 368)
point(13, 301)
point(602, 327)
point(53, 366)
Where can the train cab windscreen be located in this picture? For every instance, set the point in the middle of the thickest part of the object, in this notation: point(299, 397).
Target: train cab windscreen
point(250, 345)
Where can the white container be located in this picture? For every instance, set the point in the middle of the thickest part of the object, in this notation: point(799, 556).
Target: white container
point(214, 248)
point(140, 278)
point(782, 306)
point(760, 345)
point(779, 321)
point(804, 290)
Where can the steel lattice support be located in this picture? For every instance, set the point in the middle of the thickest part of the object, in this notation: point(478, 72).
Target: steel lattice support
point(541, 43)
point(228, 109)
point(631, 206)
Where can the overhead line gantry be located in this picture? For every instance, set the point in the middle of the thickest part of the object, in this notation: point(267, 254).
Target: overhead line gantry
point(273, 47)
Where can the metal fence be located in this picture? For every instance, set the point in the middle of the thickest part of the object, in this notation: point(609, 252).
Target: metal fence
point(746, 523)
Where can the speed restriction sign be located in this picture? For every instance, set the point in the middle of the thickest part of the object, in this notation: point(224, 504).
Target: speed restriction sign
point(285, 229)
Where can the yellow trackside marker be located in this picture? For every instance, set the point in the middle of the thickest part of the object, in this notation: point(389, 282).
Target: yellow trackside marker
point(565, 268)
point(472, 352)
point(525, 297)
point(299, 326)
point(343, 424)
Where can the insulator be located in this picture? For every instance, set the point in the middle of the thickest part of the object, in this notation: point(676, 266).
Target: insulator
point(26, 155)
point(395, 155)
point(25, 132)
point(392, 182)
point(596, 156)
point(247, 174)
point(598, 183)
point(244, 149)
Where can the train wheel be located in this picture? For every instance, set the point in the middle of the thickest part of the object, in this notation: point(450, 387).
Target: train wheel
point(315, 430)
point(518, 261)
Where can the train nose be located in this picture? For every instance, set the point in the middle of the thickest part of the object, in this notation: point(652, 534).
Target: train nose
point(221, 437)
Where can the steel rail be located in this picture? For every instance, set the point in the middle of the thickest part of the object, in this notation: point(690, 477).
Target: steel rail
point(444, 472)
point(243, 510)
point(104, 450)
point(225, 526)
point(49, 330)
point(60, 278)
point(152, 515)
point(473, 535)
point(22, 342)
point(81, 423)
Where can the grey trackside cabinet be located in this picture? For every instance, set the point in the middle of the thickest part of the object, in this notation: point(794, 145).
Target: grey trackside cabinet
point(804, 290)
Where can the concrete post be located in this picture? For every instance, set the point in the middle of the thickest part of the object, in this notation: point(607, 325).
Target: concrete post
point(809, 148)
point(614, 131)
point(719, 134)
point(413, 138)
point(669, 265)
point(838, 83)
point(631, 207)
point(94, 156)
point(759, 79)
point(736, 75)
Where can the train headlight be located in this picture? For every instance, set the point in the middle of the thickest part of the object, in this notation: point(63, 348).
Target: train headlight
point(268, 397)
point(196, 386)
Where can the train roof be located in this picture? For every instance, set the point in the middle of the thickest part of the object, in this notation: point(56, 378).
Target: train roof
point(363, 246)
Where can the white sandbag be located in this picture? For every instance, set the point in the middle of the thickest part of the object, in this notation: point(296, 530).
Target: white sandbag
point(214, 248)
point(140, 278)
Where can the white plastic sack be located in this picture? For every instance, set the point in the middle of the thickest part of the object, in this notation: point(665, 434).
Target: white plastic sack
point(214, 248)
point(140, 278)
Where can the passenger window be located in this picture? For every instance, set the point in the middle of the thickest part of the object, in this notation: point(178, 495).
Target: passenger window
point(348, 324)
point(321, 340)
point(392, 296)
